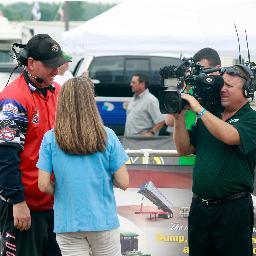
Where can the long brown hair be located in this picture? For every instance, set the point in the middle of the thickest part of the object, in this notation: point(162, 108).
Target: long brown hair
point(79, 128)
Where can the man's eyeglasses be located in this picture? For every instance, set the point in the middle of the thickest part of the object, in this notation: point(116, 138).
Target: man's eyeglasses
point(232, 72)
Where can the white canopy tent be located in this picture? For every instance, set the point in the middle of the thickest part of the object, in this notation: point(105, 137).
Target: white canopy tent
point(166, 27)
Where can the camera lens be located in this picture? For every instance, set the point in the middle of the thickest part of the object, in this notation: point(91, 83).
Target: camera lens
point(170, 102)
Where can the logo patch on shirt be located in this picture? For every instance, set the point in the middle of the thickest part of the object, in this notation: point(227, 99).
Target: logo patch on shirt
point(35, 117)
point(9, 107)
point(7, 134)
point(235, 120)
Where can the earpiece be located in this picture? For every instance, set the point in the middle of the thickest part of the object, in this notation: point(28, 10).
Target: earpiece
point(22, 57)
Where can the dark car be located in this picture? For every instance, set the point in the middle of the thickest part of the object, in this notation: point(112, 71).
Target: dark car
point(112, 75)
point(114, 72)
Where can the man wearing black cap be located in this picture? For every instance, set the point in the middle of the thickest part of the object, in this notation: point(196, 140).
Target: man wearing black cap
point(27, 111)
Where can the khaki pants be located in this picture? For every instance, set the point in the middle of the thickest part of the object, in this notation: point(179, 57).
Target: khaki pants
point(97, 243)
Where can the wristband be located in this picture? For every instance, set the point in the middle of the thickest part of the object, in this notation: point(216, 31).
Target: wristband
point(201, 113)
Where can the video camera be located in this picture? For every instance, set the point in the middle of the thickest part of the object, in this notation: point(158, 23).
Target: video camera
point(194, 79)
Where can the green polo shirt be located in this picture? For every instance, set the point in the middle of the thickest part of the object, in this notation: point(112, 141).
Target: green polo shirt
point(190, 119)
point(221, 170)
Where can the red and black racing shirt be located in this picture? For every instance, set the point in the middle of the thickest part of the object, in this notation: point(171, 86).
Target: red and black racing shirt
point(25, 115)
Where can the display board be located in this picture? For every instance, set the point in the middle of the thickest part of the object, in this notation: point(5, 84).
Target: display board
point(153, 212)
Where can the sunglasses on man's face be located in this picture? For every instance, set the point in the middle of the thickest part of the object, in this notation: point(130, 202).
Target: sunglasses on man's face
point(232, 72)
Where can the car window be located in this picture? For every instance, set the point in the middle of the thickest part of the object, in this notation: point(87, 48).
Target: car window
point(136, 65)
point(119, 69)
point(107, 68)
point(114, 73)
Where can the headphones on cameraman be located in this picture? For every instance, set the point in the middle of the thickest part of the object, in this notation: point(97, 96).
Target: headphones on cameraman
point(249, 86)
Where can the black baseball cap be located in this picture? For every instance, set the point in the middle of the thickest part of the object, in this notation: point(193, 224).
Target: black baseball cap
point(43, 48)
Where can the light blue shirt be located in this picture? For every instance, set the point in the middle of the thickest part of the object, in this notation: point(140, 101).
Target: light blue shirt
point(84, 197)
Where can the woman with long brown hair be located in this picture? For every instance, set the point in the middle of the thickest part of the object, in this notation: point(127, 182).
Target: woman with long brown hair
point(87, 159)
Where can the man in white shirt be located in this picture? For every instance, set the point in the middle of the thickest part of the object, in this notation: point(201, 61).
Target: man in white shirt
point(143, 113)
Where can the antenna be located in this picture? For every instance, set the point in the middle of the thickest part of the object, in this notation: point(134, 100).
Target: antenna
point(239, 47)
point(249, 57)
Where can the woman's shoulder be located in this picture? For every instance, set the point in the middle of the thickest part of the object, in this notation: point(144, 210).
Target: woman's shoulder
point(111, 136)
point(109, 131)
point(49, 136)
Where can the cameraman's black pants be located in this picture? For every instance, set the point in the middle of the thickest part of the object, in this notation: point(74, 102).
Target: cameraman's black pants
point(221, 230)
point(39, 240)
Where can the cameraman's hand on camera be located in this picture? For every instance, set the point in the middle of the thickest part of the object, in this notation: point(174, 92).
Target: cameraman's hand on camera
point(194, 104)
point(220, 129)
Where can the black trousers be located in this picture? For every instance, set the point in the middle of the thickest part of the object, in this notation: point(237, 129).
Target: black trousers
point(221, 230)
point(39, 240)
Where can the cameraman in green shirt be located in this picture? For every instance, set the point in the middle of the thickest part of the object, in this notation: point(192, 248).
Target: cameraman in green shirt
point(221, 213)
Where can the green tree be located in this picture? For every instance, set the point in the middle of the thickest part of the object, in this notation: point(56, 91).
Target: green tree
point(49, 11)
point(78, 10)
point(17, 11)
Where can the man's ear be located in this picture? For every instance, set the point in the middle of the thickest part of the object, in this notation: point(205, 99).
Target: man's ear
point(31, 64)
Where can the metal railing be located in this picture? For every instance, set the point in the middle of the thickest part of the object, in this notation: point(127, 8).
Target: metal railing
point(147, 153)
